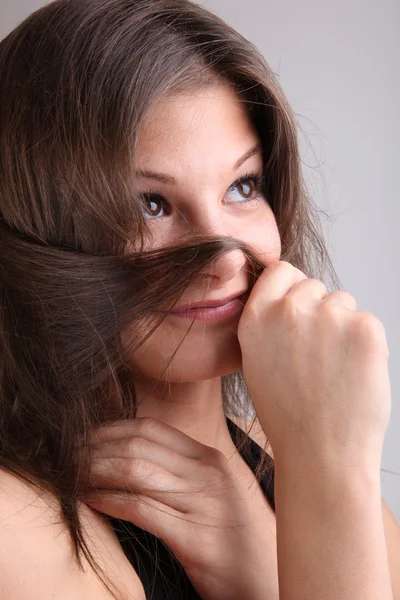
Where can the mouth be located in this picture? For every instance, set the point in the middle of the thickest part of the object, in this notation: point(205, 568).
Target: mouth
point(212, 310)
point(208, 303)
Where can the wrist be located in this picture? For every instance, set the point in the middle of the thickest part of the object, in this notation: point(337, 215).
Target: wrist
point(330, 533)
point(326, 486)
point(321, 464)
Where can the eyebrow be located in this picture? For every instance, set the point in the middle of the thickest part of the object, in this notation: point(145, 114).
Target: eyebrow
point(168, 179)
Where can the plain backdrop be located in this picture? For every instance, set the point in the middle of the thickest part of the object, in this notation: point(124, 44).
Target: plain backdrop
point(339, 65)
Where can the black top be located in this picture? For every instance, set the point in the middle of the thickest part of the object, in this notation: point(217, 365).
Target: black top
point(162, 576)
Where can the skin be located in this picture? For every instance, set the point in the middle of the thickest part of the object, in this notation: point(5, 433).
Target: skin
point(329, 545)
point(180, 441)
point(197, 139)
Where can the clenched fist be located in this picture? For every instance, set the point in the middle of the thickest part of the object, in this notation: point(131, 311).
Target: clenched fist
point(316, 369)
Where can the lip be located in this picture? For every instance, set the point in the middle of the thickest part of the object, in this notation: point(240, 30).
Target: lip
point(212, 310)
point(207, 303)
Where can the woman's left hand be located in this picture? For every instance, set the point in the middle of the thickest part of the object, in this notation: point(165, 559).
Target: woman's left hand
point(187, 494)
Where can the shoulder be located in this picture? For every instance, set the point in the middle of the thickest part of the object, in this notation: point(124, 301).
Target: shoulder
point(392, 535)
point(255, 432)
point(26, 519)
point(37, 558)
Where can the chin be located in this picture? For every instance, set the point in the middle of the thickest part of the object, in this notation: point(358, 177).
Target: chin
point(193, 362)
point(205, 371)
point(216, 356)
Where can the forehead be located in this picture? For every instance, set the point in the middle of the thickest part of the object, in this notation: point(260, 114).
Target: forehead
point(205, 127)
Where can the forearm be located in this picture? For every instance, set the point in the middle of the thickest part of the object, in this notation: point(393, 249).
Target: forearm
point(330, 534)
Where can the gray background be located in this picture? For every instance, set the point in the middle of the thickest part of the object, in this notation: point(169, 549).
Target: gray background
point(339, 64)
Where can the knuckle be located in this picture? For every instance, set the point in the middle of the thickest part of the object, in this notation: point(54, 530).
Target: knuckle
point(129, 470)
point(135, 469)
point(283, 264)
point(370, 324)
point(140, 475)
point(298, 273)
point(290, 271)
point(340, 298)
point(370, 329)
point(133, 444)
point(289, 308)
point(288, 302)
point(343, 295)
point(335, 312)
point(147, 423)
point(315, 283)
point(160, 480)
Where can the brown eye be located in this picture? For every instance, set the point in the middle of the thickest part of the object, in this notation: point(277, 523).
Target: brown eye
point(246, 189)
point(249, 189)
point(153, 206)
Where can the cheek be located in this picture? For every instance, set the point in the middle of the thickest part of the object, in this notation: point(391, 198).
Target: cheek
point(205, 352)
point(152, 357)
point(262, 236)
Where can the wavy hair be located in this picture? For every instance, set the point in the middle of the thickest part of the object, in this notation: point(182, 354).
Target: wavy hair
point(77, 78)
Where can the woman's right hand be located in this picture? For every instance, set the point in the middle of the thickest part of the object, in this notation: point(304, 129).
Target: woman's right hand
point(316, 369)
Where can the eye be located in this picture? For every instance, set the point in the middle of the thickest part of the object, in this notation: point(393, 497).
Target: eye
point(154, 206)
point(249, 188)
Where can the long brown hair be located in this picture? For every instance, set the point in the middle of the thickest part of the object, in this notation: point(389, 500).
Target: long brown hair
point(77, 78)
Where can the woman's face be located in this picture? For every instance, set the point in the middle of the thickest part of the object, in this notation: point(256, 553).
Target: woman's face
point(192, 150)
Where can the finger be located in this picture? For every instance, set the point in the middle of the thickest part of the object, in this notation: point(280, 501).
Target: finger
point(143, 477)
point(311, 290)
point(341, 298)
point(132, 475)
point(273, 284)
point(147, 513)
point(152, 430)
point(307, 291)
point(136, 448)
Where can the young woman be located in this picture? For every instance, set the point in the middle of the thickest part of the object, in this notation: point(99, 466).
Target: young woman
point(161, 276)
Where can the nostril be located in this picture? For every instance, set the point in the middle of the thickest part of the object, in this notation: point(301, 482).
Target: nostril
point(228, 266)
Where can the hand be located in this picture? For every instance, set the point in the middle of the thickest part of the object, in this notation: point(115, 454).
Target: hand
point(149, 473)
point(316, 369)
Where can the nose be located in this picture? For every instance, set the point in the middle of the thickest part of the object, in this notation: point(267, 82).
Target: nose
point(227, 267)
point(230, 264)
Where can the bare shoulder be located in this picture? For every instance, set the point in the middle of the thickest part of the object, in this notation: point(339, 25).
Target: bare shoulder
point(37, 558)
point(392, 534)
point(254, 430)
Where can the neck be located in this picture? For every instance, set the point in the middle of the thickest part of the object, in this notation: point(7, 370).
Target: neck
point(195, 408)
